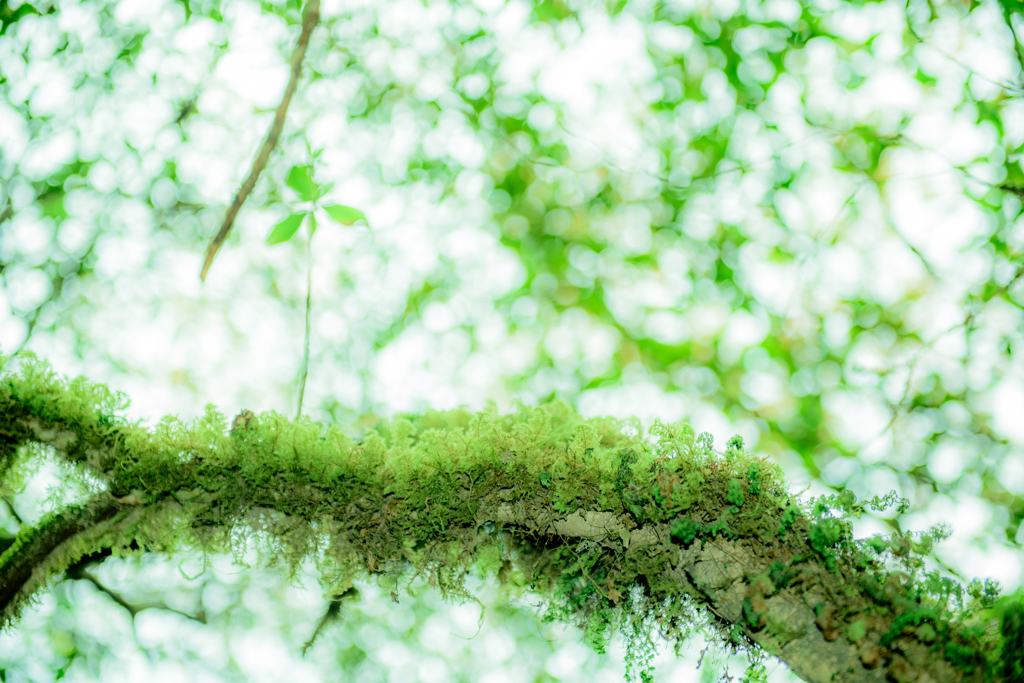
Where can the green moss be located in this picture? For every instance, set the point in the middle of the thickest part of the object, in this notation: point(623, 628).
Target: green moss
point(913, 617)
point(735, 493)
point(753, 617)
point(781, 575)
point(788, 519)
point(1011, 656)
point(689, 491)
point(754, 479)
point(444, 494)
point(598, 630)
point(825, 535)
point(685, 531)
point(717, 527)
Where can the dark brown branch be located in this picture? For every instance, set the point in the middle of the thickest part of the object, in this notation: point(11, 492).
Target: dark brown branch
point(310, 18)
point(20, 565)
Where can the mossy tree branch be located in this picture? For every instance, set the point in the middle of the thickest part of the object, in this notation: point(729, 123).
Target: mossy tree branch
point(584, 512)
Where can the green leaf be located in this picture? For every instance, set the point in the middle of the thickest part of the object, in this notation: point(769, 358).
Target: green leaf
point(345, 214)
point(312, 225)
point(284, 230)
point(300, 179)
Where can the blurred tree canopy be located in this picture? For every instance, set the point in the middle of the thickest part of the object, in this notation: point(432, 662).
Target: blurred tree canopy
point(799, 221)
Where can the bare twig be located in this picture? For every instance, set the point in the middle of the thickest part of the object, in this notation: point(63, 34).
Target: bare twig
point(310, 18)
point(79, 572)
point(133, 608)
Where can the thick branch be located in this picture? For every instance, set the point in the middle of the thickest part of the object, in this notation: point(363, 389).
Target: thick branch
point(43, 551)
point(310, 18)
point(578, 510)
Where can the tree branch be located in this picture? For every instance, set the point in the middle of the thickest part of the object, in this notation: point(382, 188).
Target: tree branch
point(310, 18)
point(33, 558)
point(541, 498)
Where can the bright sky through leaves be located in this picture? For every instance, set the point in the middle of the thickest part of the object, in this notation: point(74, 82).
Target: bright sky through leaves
point(771, 219)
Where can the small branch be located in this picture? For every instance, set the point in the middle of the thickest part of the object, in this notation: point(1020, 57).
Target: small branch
point(80, 574)
point(310, 18)
point(22, 566)
point(1005, 86)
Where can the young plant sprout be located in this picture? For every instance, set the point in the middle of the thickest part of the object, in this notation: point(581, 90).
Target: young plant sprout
point(300, 179)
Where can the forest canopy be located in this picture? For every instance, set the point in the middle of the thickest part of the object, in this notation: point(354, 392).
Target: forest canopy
point(798, 222)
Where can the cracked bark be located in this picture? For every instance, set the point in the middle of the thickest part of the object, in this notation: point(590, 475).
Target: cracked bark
point(718, 572)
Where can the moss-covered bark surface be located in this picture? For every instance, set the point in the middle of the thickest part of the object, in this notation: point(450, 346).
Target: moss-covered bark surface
point(614, 527)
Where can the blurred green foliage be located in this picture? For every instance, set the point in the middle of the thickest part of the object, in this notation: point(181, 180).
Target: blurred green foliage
point(736, 218)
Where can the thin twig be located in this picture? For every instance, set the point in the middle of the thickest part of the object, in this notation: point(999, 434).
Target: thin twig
point(133, 608)
point(309, 301)
point(310, 18)
point(13, 512)
point(967, 323)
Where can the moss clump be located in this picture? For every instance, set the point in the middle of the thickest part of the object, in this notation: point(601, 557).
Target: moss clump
point(911, 618)
point(735, 493)
point(1011, 656)
point(787, 520)
point(685, 530)
point(825, 535)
